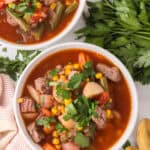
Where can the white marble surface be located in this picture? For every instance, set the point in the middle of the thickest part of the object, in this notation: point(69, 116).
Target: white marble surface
point(143, 91)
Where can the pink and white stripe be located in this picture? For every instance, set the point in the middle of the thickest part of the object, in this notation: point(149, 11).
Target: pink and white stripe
point(10, 137)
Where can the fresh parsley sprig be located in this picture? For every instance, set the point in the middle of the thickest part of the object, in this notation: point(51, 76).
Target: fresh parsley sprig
point(123, 28)
point(15, 67)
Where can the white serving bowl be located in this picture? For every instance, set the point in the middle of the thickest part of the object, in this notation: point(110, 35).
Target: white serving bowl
point(93, 48)
point(49, 42)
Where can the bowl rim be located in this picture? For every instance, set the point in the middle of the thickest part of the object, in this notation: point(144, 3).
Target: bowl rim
point(84, 46)
point(51, 41)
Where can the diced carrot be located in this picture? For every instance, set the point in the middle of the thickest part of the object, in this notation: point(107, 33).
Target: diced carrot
point(48, 130)
point(2, 4)
point(46, 112)
point(104, 97)
point(82, 59)
point(48, 146)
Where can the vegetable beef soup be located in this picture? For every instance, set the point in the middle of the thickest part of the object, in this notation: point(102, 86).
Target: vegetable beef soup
point(80, 101)
point(34, 21)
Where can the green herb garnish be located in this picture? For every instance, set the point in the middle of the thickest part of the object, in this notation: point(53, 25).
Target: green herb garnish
point(77, 78)
point(61, 92)
point(4, 49)
point(82, 140)
point(75, 81)
point(60, 127)
point(81, 110)
point(45, 121)
point(42, 99)
point(37, 106)
point(126, 145)
point(53, 72)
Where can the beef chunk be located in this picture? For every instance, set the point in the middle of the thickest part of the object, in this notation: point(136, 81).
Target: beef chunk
point(48, 2)
point(28, 105)
point(46, 100)
point(11, 20)
point(100, 119)
point(70, 146)
point(112, 73)
point(39, 83)
point(27, 36)
point(41, 86)
point(35, 133)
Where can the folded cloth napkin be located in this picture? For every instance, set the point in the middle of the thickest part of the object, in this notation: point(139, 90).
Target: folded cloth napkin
point(10, 137)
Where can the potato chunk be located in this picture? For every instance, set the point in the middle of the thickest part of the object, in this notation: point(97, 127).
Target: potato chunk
point(67, 124)
point(33, 93)
point(92, 89)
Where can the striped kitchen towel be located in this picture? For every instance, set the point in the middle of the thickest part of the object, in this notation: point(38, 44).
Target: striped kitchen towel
point(10, 137)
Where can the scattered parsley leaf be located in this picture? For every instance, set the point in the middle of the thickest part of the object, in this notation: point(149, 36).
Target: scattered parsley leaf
point(53, 72)
point(37, 106)
point(60, 127)
point(14, 68)
point(75, 81)
point(61, 92)
point(45, 121)
point(77, 78)
point(107, 26)
point(82, 140)
point(4, 49)
point(126, 145)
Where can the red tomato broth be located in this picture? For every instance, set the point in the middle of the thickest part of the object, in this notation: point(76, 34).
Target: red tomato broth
point(8, 32)
point(119, 92)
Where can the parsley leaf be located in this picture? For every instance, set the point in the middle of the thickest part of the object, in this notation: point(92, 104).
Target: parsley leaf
point(14, 68)
point(107, 26)
point(60, 127)
point(53, 72)
point(45, 121)
point(75, 81)
point(77, 78)
point(143, 60)
point(126, 145)
point(81, 111)
point(88, 70)
point(82, 140)
point(61, 92)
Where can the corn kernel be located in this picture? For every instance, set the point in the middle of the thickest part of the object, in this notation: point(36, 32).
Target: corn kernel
point(55, 141)
point(109, 114)
point(98, 75)
point(53, 6)
point(79, 128)
point(55, 78)
point(67, 101)
point(63, 77)
point(54, 110)
point(61, 108)
point(11, 5)
point(68, 66)
point(55, 134)
point(19, 100)
point(76, 66)
point(38, 5)
point(58, 147)
point(67, 2)
point(87, 80)
point(110, 100)
point(67, 71)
